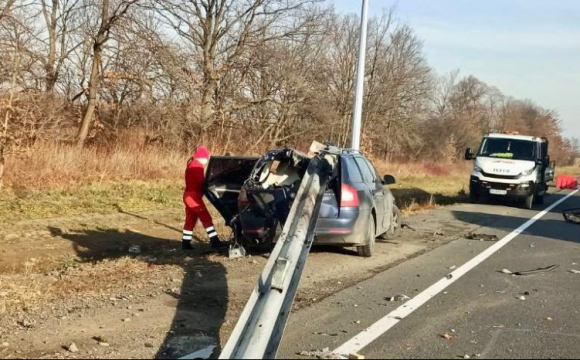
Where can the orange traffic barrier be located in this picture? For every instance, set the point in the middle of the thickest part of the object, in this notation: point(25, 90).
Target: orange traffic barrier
point(566, 182)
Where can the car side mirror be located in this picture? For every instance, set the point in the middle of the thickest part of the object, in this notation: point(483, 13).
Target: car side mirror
point(389, 180)
point(469, 155)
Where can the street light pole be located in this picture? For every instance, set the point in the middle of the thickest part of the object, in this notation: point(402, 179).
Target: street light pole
point(360, 79)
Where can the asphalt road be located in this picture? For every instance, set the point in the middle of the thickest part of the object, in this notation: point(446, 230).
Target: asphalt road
point(483, 312)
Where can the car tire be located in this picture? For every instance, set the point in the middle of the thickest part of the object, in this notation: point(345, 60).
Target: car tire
point(368, 250)
point(474, 198)
point(529, 204)
point(396, 222)
point(540, 200)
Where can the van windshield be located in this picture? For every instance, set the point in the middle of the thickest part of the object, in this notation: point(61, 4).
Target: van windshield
point(508, 149)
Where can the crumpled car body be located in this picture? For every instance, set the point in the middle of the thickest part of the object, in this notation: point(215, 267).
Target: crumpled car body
point(254, 196)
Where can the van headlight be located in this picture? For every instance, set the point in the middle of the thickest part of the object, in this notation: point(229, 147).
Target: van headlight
point(529, 172)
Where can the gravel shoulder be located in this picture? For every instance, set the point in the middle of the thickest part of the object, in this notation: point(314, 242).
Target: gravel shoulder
point(74, 281)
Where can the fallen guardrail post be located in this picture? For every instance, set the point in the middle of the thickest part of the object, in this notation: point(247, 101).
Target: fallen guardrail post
point(262, 323)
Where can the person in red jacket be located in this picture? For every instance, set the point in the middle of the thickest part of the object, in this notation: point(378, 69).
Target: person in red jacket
point(195, 208)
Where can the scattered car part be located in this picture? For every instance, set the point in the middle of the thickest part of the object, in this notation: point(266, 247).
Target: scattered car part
point(531, 272)
point(572, 216)
point(482, 237)
point(398, 298)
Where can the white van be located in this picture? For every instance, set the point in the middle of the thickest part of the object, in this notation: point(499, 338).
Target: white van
point(511, 166)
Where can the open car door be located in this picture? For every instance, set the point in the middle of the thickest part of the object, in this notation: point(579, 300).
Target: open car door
point(224, 179)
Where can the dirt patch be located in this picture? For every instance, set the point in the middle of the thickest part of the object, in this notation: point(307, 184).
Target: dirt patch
point(77, 275)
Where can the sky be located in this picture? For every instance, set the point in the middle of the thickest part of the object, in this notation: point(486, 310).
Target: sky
point(529, 49)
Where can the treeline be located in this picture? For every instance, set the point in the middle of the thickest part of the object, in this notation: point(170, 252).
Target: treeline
point(240, 76)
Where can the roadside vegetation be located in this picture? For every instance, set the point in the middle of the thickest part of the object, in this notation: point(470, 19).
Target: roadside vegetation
point(102, 102)
point(68, 180)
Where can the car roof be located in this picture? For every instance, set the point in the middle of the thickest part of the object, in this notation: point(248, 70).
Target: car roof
point(516, 137)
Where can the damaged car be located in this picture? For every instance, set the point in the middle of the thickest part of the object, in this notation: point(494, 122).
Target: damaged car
point(255, 195)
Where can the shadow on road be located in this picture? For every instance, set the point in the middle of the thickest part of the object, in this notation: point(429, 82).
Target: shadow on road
point(552, 227)
point(202, 299)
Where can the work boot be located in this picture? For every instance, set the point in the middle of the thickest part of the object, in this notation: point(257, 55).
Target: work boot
point(186, 245)
point(217, 244)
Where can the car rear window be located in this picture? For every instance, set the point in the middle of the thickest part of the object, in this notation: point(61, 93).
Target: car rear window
point(368, 174)
point(352, 171)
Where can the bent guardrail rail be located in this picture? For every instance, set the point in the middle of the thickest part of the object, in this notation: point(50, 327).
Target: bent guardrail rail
point(261, 326)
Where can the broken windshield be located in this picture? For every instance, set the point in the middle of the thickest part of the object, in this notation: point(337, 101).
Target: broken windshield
point(508, 149)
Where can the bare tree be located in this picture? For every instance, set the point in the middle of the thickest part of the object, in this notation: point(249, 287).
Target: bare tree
point(220, 32)
point(5, 6)
point(107, 21)
point(59, 16)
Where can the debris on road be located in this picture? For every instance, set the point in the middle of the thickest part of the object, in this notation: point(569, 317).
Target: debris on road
point(205, 353)
point(522, 298)
point(325, 334)
point(531, 272)
point(407, 226)
point(398, 298)
point(447, 337)
point(356, 357)
point(575, 272)
point(73, 348)
point(26, 324)
point(549, 319)
point(449, 277)
point(135, 249)
point(572, 216)
point(320, 354)
point(482, 237)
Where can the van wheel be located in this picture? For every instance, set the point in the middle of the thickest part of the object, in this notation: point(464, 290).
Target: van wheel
point(540, 200)
point(473, 198)
point(369, 249)
point(530, 202)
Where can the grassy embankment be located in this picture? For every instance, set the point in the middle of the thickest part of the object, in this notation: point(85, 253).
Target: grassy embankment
point(57, 181)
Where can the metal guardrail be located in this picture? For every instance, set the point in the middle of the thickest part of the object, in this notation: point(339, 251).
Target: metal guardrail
point(262, 324)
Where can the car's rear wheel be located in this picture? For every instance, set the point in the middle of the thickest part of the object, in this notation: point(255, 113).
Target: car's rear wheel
point(368, 250)
point(397, 221)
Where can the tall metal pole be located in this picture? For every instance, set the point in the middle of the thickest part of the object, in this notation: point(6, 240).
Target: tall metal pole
point(360, 79)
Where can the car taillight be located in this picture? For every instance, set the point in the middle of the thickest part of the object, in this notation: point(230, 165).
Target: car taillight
point(243, 199)
point(348, 196)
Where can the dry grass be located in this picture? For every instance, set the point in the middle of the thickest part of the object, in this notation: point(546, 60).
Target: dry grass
point(57, 165)
point(54, 179)
point(424, 186)
point(568, 170)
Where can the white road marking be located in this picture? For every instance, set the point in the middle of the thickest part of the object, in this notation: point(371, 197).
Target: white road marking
point(362, 340)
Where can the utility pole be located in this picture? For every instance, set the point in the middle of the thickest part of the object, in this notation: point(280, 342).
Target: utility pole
point(360, 79)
